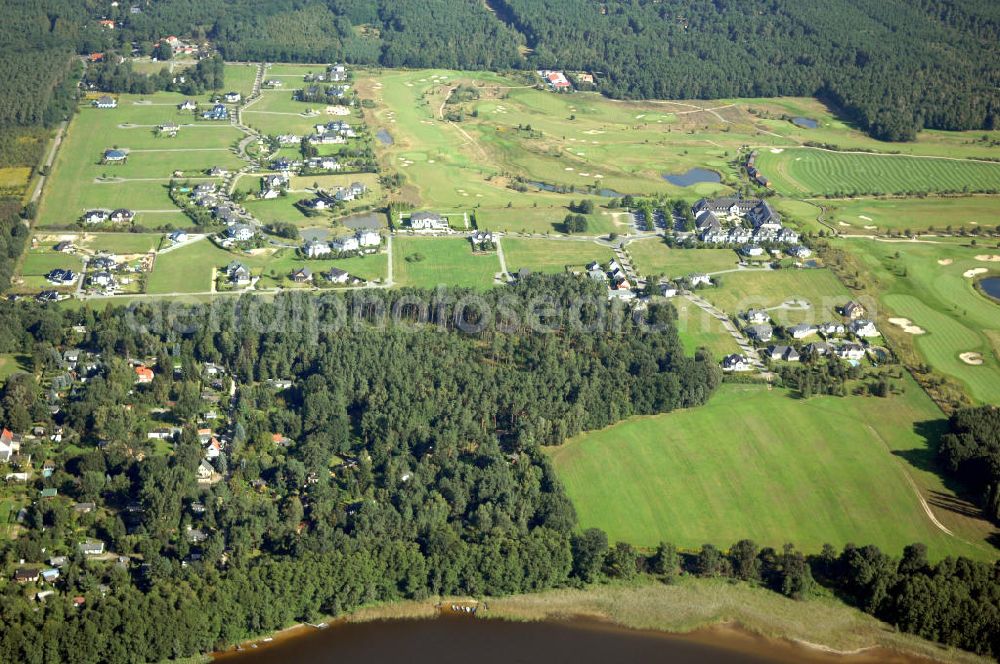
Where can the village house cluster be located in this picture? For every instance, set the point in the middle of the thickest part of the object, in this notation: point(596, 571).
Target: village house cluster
point(362, 242)
point(750, 224)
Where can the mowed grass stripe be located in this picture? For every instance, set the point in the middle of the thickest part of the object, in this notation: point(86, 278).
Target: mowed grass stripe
point(809, 171)
point(760, 464)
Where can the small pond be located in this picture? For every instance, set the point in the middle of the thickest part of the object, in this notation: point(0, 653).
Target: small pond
point(544, 186)
point(805, 123)
point(364, 221)
point(693, 176)
point(383, 136)
point(991, 286)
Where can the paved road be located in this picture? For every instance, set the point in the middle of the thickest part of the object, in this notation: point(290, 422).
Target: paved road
point(730, 327)
point(503, 260)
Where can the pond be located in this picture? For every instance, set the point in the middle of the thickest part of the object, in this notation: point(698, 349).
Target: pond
point(991, 286)
point(319, 234)
point(364, 221)
point(561, 189)
point(383, 136)
point(805, 123)
point(693, 176)
point(462, 640)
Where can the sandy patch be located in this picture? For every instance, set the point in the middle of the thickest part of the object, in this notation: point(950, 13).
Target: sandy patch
point(843, 223)
point(988, 258)
point(568, 168)
point(945, 261)
point(870, 228)
point(907, 325)
point(861, 216)
point(975, 359)
point(974, 271)
point(777, 150)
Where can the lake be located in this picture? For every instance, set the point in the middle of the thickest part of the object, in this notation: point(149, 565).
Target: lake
point(693, 176)
point(991, 286)
point(805, 123)
point(383, 136)
point(464, 640)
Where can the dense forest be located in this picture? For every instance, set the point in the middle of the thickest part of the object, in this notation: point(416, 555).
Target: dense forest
point(971, 450)
point(895, 67)
point(402, 459)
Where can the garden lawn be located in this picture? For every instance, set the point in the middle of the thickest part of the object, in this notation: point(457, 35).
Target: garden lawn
point(552, 256)
point(653, 257)
point(756, 463)
point(447, 261)
point(769, 289)
point(814, 172)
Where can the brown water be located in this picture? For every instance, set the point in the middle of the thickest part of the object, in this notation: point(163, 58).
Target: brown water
point(464, 640)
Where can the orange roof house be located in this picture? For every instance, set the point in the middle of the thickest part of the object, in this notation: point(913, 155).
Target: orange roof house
point(143, 374)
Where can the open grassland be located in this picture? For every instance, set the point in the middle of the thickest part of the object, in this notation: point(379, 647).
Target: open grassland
point(548, 219)
point(771, 289)
point(187, 269)
point(79, 181)
point(653, 257)
point(429, 262)
point(915, 214)
point(698, 329)
point(927, 284)
point(11, 364)
point(240, 77)
point(814, 172)
point(552, 256)
point(824, 470)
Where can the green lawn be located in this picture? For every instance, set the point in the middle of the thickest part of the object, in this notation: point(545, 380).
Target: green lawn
point(916, 214)
point(541, 219)
point(188, 269)
point(940, 299)
point(809, 171)
point(552, 256)
point(810, 472)
point(11, 363)
point(653, 257)
point(739, 291)
point(698, 329)
point(448, 261)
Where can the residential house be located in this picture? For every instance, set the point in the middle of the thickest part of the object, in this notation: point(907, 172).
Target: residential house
point(143, 375)
point(92, 548)
point(763, 216)
point(238, 274)
point(801, 331)
point(178, 236)
point(864, 328)
point(106, 101)
point(315, 249)
point(240, 233)
point(188, 105)
point(218, 112)
point(61, 277)
point(668, 290)
point(799, 251)
point(428, 221)
point(95, 217)
point(732, 207)
point(205, 188)
point(820, 348)
point(101, 279)
point(122, 216)
point(205, 470)
point(854, 310)
point(302, 275)
point(752, 251)
point(50, 575)
point(480, 238)
point(853, 352)
point(761, 333)
point(336, 276)
point(26, 575)
point(115, 156)
point(832, 328)
point(84, 507)
point(368, 239)
point(233, 97)
point(10, 445)
point(64, 247)
point(756, 316)
point(736, 362)
point(345, 244)
point(699, 279)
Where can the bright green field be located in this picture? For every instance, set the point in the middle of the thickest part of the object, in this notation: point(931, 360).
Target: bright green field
point(810, 472)
point(916, 214)
point(744, 290)
point(552, 256)
point(809, 171)
point(448, 261)
point(942, 301)
point(548, 219)
point(240, 78)
point(653, 257)
point(698, 329)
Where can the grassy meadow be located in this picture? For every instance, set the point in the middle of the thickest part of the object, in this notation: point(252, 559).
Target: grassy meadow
point(814, 172)
point(552, 256)
point(769, 289)
point(424, 262)
point(914, 214)
point(827, 469)
point(652, 257)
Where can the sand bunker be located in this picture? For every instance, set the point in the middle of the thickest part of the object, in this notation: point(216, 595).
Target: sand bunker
point(777, 150)
point(989, 258)
point(975, 359)
point(870, 228)
point(843, 223)
point(907, 325)
point(974, 271)
point(945, 261)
